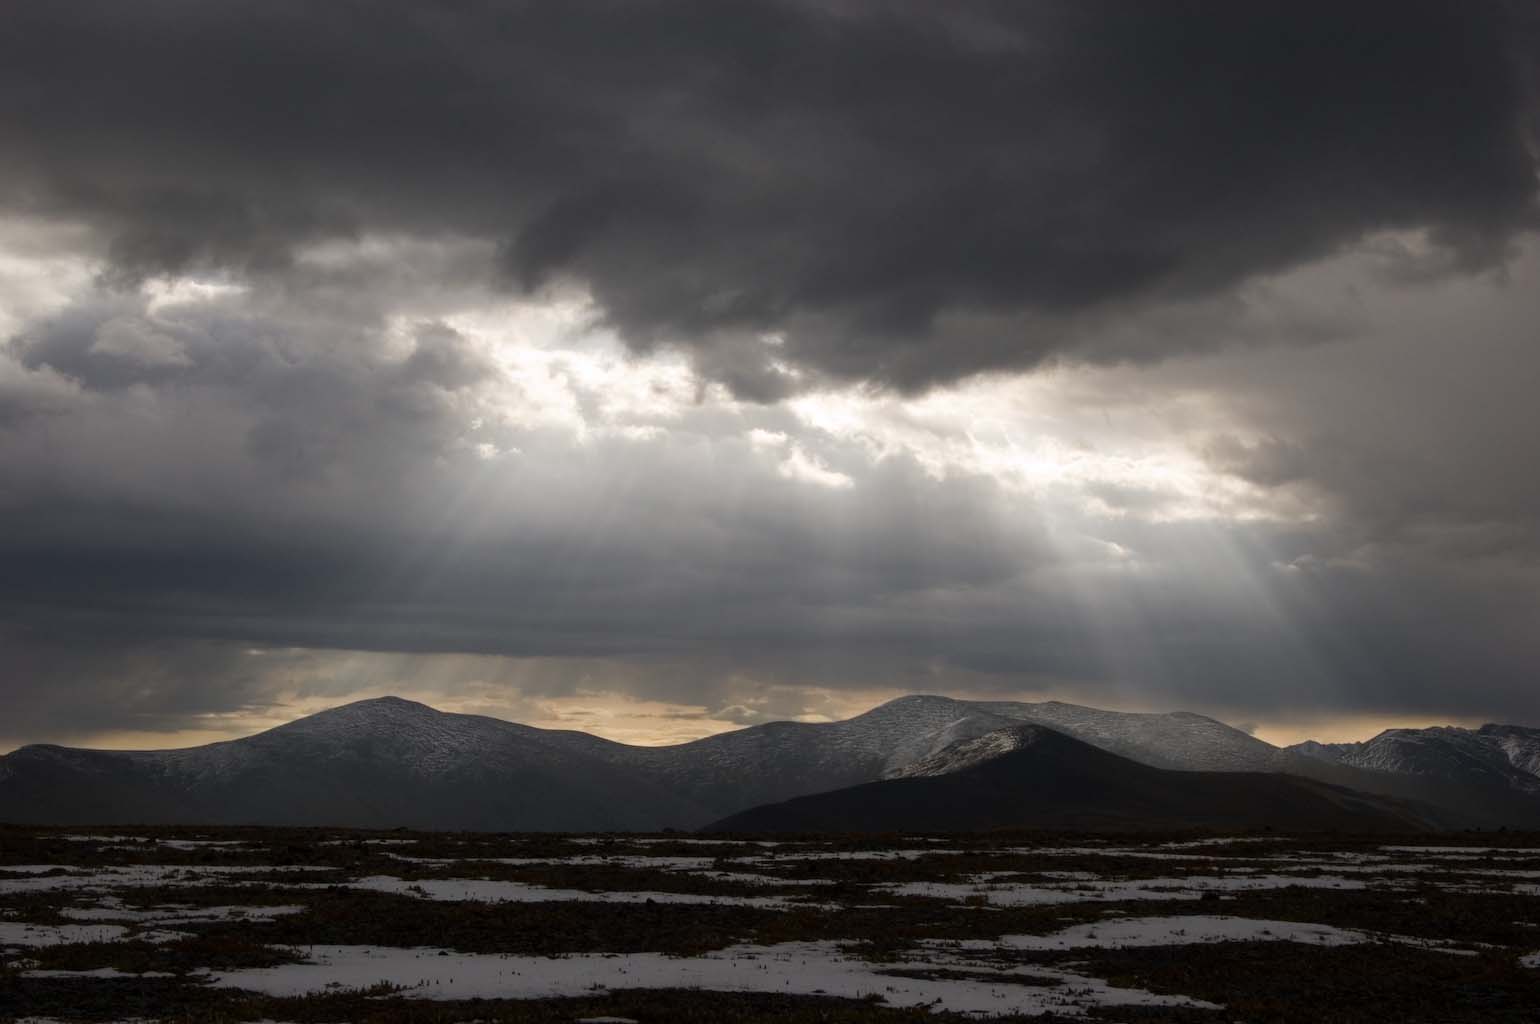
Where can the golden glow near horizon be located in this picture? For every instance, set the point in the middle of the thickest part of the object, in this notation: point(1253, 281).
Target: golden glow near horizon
point(626, 719)
point(1351, 728)
point(617, 717)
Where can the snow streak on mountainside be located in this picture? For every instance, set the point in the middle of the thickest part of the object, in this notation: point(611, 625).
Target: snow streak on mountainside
point(963, 754)
point(1177, 739)
point(1520, 745)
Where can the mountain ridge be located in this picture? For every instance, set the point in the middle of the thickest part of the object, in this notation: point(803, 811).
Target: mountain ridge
point(1042, 778)
point(390, 761)
point(1505, 755)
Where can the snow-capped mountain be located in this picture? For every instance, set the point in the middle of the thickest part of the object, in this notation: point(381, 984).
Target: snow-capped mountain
point(1494, 755)
point(389, 762)
point(776, 761)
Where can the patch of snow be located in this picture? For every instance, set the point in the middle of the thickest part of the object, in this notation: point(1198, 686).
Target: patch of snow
point(174, 914)
point(144, 875)
point(694, 842)
point(748, 878)
point(797, 968)
point(957, 750)
point(105, 973)
point(614, 861)
point(1005, 894)
point(19, 933)
point(812, 855)
point(1192, 930)
point(1465, 851)
point(129, 841)
point(487, 891)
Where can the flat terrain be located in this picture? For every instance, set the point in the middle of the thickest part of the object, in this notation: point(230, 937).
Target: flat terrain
point(326, 925)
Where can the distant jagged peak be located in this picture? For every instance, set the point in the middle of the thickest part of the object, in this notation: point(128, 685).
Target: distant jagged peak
point(1509, 755)
point(1496, 729)
point(1332, 752)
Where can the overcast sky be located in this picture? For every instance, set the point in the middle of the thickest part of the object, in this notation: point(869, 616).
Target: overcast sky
point(662, 367)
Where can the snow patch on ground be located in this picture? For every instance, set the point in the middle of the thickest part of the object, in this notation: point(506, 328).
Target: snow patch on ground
point(820, 855)
point(131, 842)
point(489, 891)
point(19, 933)
point(103, 973)
point(1462, 852)
point(615, 861)
point(141, 875)
point(1005, 894)
point(798, 968)
point(1192, 930)
point(110, 910)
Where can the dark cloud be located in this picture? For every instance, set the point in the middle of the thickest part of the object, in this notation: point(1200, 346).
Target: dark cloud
point(275, 375)
point(272, 485)
point(858, 177)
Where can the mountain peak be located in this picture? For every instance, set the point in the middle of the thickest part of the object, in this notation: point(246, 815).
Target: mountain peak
point(383, 708)
point(376, 715)
point(389, 701)
point(916, 700)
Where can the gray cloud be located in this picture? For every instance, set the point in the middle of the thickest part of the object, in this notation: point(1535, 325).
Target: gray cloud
point(1273, 237)
point(289, 480)
point(865, 179)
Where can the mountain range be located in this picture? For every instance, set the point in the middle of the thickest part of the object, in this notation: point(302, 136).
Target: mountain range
point(1030, 776)
point(391, 762)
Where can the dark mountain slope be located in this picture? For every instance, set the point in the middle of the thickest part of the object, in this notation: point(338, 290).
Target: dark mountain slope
point(1050, 780)
point(377, 763)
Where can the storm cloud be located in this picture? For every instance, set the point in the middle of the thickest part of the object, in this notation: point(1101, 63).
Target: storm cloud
point(744, 359)
point(905, 194)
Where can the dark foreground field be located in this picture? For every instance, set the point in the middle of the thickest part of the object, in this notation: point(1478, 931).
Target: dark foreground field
point(311, 925)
